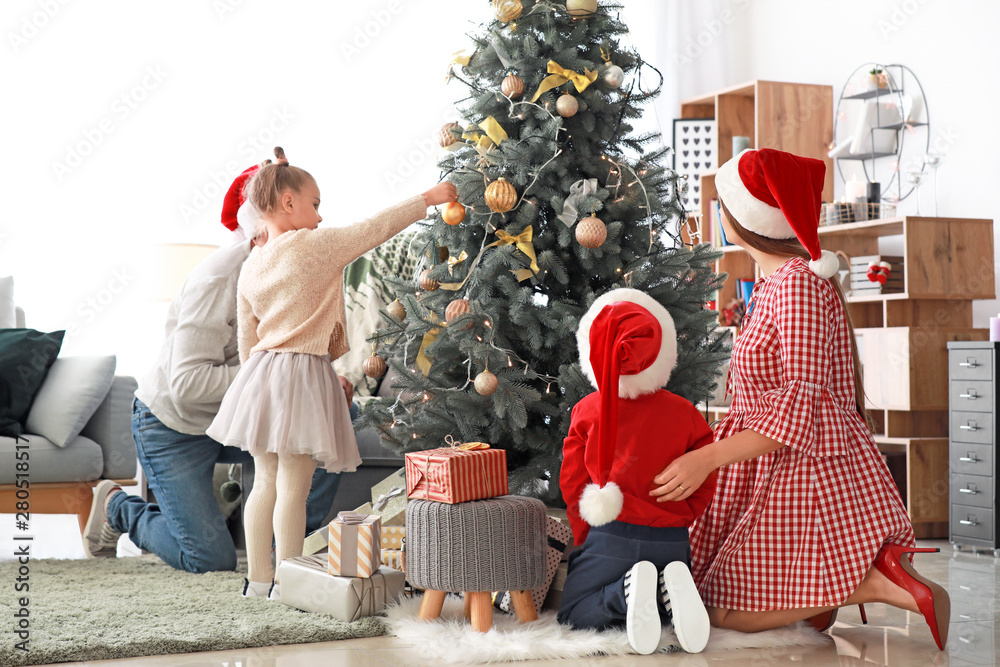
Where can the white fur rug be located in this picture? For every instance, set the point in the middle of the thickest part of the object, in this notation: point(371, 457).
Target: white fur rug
point(545, 639)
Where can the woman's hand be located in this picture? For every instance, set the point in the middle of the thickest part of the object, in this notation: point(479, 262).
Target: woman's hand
point(682, 477)
point(348, 389)
point(441, 193)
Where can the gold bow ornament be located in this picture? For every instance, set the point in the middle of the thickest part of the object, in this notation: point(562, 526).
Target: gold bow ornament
point(423, 360)
point(458, 59)
point(452, 261)
point(523, 243)
point(560, 75)
point(494, 135)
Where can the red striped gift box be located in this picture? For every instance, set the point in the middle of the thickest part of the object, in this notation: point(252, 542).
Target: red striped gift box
point(456, 474)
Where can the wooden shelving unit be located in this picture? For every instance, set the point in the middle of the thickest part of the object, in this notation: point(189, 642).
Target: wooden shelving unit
point(902, 337)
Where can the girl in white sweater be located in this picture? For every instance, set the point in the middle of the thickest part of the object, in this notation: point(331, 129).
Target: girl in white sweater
point(286, 405)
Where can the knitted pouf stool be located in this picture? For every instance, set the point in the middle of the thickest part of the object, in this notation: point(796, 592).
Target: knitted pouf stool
point(476, 547)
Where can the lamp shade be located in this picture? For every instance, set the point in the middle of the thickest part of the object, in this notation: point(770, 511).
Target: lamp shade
point(173, 264)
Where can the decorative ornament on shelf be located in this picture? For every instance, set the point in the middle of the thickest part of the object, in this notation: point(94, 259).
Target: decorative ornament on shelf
point(456, 308)
point(613, 75)
point(512, 86)
point(507, 10)
point(374, 366)
point(591, 232)
point(567, 105)
point(454, 213)
point(486, 383)
point(878, 272)
point(396, 310)
point(427, 283)
point(581, 8)
point(446, 137)
point(500, 196)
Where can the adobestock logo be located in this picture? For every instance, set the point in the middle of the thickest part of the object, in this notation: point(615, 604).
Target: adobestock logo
point(209, 194)
point(97, 303)
point(364, 34)
point(122, 107)
point(32, 25)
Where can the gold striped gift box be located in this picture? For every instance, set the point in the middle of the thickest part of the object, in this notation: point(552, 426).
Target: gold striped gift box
point(355, 541)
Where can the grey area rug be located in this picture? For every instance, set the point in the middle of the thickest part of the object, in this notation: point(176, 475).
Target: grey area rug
point(128, 607)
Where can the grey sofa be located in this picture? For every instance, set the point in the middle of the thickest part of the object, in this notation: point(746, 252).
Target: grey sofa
point(62, 478)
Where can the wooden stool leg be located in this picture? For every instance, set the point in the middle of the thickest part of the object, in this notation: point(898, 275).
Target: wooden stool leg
point(468, 606)
point(524, 606)
point(430, 605)
point(482, 611)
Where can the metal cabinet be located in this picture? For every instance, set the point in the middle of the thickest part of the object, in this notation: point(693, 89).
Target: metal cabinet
point(972, 409)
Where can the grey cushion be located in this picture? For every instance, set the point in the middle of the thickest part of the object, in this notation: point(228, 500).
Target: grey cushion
point(19, 317)
point(111, 427)
point(68, 397)
point(79, 461)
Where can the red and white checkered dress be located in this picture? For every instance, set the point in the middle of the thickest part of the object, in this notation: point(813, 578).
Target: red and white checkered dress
point(797, 527)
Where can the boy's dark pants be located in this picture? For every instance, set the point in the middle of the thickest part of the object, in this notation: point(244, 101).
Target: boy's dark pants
point(594, 593)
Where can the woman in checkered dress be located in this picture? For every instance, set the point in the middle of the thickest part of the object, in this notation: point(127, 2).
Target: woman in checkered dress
point(804, 502)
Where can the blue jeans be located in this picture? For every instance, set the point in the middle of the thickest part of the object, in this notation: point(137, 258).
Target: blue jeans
point(594, 592)
point(185, 527)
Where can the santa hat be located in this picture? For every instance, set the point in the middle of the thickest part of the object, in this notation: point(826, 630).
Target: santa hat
point(628, 347)
point(237, 214)
point(778, 195)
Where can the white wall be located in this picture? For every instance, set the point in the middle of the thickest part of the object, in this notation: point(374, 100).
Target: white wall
point(951, 46)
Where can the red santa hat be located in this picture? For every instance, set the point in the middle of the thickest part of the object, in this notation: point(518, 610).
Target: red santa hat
point(778, 195)
point(238, 215)
point(628, 347)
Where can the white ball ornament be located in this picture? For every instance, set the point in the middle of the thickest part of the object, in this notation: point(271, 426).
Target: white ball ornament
point(567, 105)
point(613, 76)
point(581, 8)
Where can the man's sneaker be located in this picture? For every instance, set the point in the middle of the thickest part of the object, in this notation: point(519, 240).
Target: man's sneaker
point(256, 589)
point(684, 607)
point(100, 540)
point(642, 618)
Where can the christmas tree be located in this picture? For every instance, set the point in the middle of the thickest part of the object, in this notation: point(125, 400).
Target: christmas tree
point(562, 202)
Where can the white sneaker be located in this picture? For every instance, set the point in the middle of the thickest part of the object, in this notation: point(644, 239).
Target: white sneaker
point(100, 540)
point(684, 607)
point(642, 618)
point(256, 589)
point(275, 593)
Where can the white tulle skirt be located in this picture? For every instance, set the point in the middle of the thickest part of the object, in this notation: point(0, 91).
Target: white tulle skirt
point(288, 403)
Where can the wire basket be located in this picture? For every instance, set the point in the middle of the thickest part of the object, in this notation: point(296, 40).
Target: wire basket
point(840, 213)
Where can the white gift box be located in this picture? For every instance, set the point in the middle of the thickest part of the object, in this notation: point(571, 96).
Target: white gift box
point(306, 585)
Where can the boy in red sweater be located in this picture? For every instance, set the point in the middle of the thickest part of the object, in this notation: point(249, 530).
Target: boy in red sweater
point(635, 552)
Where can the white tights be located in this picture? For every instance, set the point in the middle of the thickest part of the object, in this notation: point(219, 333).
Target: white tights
point(276, 507)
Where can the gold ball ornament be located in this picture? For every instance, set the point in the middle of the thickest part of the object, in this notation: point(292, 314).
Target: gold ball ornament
point(567, 105)
point(613, 76)
point(500, 196)
point(396, 310)
point(374, 366)
point(454, 213)
point(507, 10)
point(512, 86)
point(591, 232)
point(427, 283)
point(581, 8)
point(456, 308)
point(445, 137)
point(486, 383)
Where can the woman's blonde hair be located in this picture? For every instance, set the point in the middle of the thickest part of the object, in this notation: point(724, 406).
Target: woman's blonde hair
point(792, 246)
point(265, 187)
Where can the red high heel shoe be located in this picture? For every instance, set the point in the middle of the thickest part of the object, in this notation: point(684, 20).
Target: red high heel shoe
point(932, 600)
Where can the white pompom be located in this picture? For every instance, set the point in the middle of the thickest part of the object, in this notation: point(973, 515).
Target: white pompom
point(826, 266)
point(601, 505)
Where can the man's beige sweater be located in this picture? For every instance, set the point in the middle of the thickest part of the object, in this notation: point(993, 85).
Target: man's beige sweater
point(290, 295)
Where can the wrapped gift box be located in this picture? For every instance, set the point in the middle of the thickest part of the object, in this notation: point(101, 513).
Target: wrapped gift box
point(560, 541)
point(317, 541)
point(306, 585)
point(554, 599)
point(354, 545)
point(394, 558)
point(389, 499)
point(393, 536)
point(457, 474)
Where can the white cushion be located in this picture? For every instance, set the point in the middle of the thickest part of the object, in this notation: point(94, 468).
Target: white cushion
point(8, 316)
point(67, 399)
